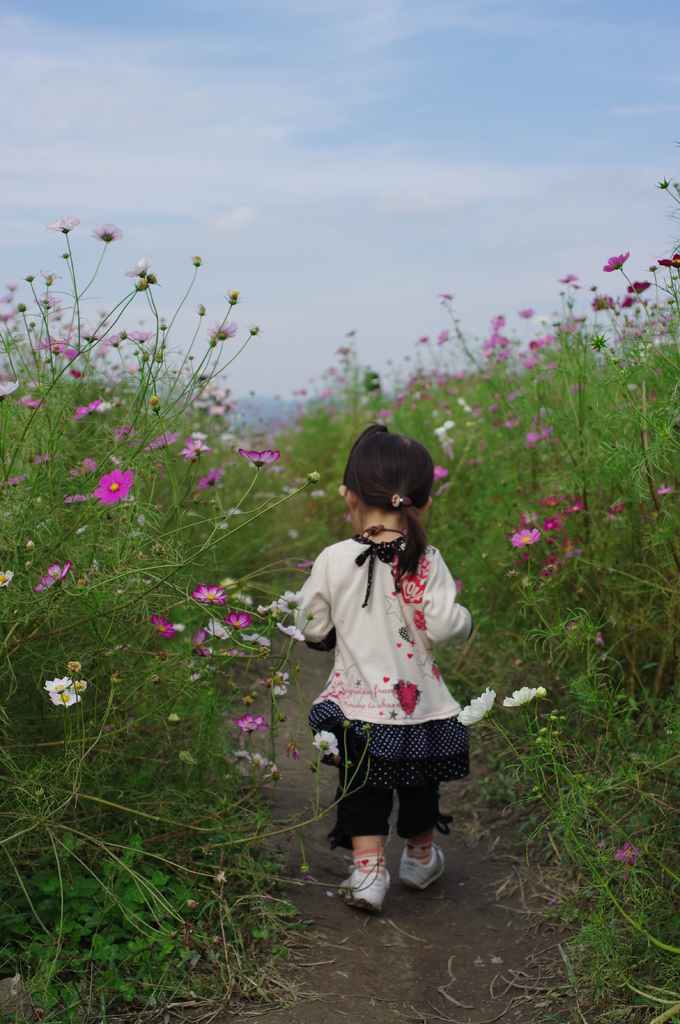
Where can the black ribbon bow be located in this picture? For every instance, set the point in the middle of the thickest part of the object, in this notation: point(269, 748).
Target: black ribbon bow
point(386, 553)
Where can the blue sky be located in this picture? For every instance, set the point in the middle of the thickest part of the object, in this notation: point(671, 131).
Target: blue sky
point(341, 161)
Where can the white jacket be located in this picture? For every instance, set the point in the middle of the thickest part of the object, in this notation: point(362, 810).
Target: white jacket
point(384, 668)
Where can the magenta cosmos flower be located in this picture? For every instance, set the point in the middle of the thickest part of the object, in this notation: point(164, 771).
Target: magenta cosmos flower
point(107, 233)
point(568, 279)
point(664, 489)
point(260, 458)
point(526, 314)
point(674, 261)
point(250, 723)
point(55, 573)
point(210, 480)
point(615, 262)
point(193, 448)
point(239, 620)
point(525, 537)
point(163, 627)
point(440, 472)
point(209, 595)
point(199, 638)
point(114, 486)
point(85, 410)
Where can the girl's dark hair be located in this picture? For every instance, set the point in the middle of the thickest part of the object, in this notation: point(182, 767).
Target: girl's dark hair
point(381, 465)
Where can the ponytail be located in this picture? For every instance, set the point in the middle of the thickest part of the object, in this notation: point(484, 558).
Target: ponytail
point(416, 542)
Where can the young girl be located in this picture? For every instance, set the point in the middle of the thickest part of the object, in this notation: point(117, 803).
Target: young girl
point(382, 599)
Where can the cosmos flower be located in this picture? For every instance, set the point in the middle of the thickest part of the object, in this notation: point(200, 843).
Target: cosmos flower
point(440, 472)
point(664, 489)
point(526, 314)
point(262, 458)
point(616, 262)
point(107, 233)
point(193, 447)
point(6, 578)
point(523, 696)
point(238, 620)
point(674, 261)
point(525, 537)
point(163, 627)
point(250, 723)
point(7, 388)
point(326, 743)
point(289, 602)
point(161, 441)
point(199, 638)
point(291, 631)
point(209, 480)
point(209, 594)
point(55, 573)
point(114, 486)
point(220, 330)
point(478, 708)
point(140, 268)
point(63, 224)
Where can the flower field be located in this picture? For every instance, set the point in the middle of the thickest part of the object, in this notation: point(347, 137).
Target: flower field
point(152, 550)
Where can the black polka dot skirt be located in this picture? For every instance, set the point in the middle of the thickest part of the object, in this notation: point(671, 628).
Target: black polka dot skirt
point(396, 755)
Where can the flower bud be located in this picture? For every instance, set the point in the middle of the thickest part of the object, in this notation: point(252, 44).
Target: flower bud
point(196, 260)
point(123, 335)
point(142, 285)
point(164, 327)
point(152, 279)
point(233, 298)
point(30, 544)
point(73, 666)
point(154, 402)
point(254, 329)
point(30, 278)
point(159, 357)
point(541, 691)
point(313, 477)
point(201, 309)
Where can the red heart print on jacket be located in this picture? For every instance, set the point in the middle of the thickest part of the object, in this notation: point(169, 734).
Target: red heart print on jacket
point(408, 695)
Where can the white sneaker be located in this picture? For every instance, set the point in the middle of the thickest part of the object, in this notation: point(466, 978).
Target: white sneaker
point(366, 892)
point(417, 875)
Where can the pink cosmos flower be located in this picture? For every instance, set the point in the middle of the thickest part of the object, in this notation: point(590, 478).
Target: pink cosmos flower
point(291, 749)
point(107, 233)
point(30, 403)
point(525, 537)
point(615, 262)
point(512, 422)
point(16, 480)
point(85, 410)
point(526, 314)
point(122, 432)
point(440, 472)
point(628, 853)
point(447, 296)
point(239, 620)
point(250, 723)
point(114, 486)
point(568, 278)
point(199, 640)
point(55, 573)
point(209, 594)
point(637, 287)
point(578, 506)
point(598, 639)
point(210, 480)
point(674, 261)
point(70, 498)
point(615, 510)
point(64, 224)
point(161, 441)
point(554, 523)
point(141, 336)
point(89, 465)
point(533, 437)
point(193, 448)
point(443, 337)
point(163, 627)
point(220, 330)
point(260, 458)
point(664, 489)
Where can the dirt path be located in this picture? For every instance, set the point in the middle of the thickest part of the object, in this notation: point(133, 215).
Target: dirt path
point(473, 948)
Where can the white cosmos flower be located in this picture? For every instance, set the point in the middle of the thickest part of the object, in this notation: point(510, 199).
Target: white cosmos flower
point(291, 631)
point(6, 578)
point(242, 754)
point(442, 431)
point(289, 601)
point(215, 628)
point(523, 696)
point(63, 691)
point(7, 388)
point(259, 760)
point(140, 267)
point(477, 708)
point(255, 638)
point(262, 609)
point(64, 224)
point(326, 742)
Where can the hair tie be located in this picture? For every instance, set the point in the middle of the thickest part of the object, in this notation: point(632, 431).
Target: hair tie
point(397, 500)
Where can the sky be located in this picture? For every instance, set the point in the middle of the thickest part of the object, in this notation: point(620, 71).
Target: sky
point(339, 162)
